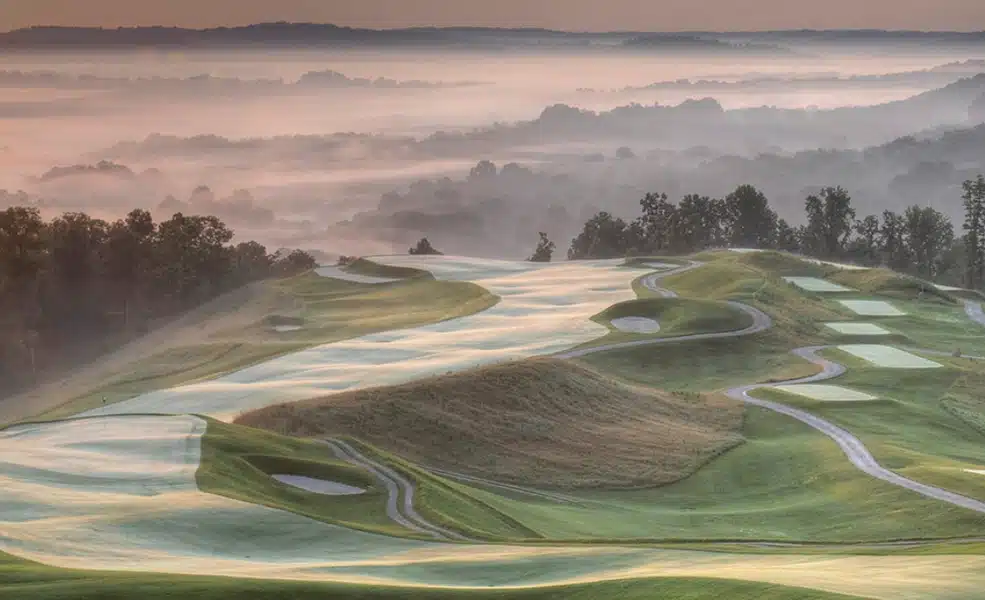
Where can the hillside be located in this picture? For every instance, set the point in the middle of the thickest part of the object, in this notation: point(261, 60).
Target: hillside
point(543, 421)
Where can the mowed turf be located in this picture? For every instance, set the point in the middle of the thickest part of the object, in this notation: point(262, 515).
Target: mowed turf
point(540, 422)
point(677, 317)
point(217, 342)
point(787, 482)
point(25, 580)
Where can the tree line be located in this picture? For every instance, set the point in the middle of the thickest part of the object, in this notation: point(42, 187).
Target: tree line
point(920, 240)
point(75, 285)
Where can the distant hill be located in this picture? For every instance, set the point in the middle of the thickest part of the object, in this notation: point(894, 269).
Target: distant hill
point(316, 34)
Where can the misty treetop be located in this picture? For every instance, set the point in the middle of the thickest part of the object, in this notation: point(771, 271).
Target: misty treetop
point(920, 241)
point(75, 283)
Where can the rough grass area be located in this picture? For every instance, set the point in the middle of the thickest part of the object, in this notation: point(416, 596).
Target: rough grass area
point(889, 283)
point(369, 268)
point(677, 316)
point(26, 580)
point(544, 422)
point(704, 365)
point(787, 482)
point(237, 463)
point(218, 343)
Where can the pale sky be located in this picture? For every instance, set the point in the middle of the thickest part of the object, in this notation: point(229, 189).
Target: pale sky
point(579, 15)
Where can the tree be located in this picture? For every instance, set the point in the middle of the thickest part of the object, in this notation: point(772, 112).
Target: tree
point(786, 237)
point(191, 257)
point(129, 256)
point(544, 250)
point(603, 236)
point(974, 228)
point(699, 223)
point(656, 222)
point(625, 153)
point(251, 262)
point(423, 247)
point(829, 222)
point(892, 241)
point(751, 223)
point(929, 235)
point(865, 247)
point(293, 263)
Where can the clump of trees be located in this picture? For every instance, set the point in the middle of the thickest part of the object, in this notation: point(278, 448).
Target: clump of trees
point(919, 241)
point(544, 250)
point(424, 247)
point(74, 285)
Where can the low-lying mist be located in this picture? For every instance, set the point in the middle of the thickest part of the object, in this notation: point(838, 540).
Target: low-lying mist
point(358, 152)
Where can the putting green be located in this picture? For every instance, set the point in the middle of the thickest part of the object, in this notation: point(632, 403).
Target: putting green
point(814, 284)
point(858, 328)
point(887, 356)
point(872, 308)
point(827, 393)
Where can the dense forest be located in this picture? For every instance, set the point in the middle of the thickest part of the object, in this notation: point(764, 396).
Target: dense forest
point(920, 240)
point(75, 286)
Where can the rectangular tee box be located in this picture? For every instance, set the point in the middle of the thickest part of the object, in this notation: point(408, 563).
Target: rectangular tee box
point(858, 328)
point(872, 308)
point(826, 393)
point(888, 357)
point(813, 284)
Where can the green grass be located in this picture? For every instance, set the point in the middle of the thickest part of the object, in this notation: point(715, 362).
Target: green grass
point(25, 580)
point(677, 317)
point(787, 482)
point(237, 463)
point(363, 266)
point(329, 310)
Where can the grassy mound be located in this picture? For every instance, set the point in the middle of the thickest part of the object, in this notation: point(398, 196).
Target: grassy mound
point(237, 331)
point(543, 422)
point(679, 316)
point(369, 268)
point(889, 283)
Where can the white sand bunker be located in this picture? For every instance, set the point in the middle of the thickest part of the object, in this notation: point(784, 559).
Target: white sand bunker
point(858, 328)
point(889, 357)
point(745, 250)
point(338, 273)
point(948, 288)
point(319, 486)
point(844, 266)
point(286, 328)
point(872, 308)
point(826, 393)
point(544, 308)
point(813, 284)
point(976, 471)
point(636, 324)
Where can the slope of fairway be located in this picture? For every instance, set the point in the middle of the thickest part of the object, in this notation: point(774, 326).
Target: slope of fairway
point(786, 482)
point(538, 422)
point(676, 316)
point(889, 283)
point(238, 330)
point(543, 308)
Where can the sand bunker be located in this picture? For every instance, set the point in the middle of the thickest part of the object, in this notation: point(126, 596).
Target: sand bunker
point(858, 328)
point(826, 393)
point(889, 357)
point(338, 273)
point(285, 328)
point(544, 308)
point(976, 471)
point(872, 308)
point(660, 265)
point(845, 266)
point(636, 324)
point(319, 486)
point(813, 284)
point(948, 288)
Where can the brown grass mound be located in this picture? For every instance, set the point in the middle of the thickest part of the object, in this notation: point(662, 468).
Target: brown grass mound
point(545, 422)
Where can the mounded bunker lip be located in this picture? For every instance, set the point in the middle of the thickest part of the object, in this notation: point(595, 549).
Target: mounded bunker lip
point(636, 324)
point(324, 487)
point(815, 284)
point(849, 328)
point(825, 393)
point(888, 356)
point(338, 273)
point(872, 308)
